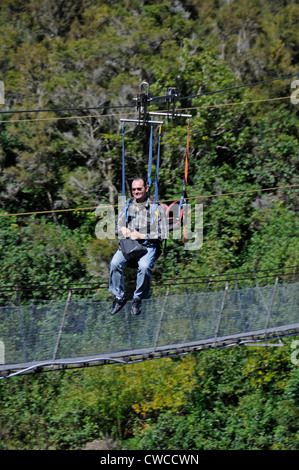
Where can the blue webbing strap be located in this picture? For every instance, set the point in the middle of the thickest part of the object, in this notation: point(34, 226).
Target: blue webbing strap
point(123, 173)
point(150, 157)
point(123, 167)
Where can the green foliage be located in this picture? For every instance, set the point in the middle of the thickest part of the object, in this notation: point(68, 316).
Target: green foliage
point(275, 237)
point(241, 401)
point(40, 252)
point(232, 399)
point(96, 55)
point(91, 54)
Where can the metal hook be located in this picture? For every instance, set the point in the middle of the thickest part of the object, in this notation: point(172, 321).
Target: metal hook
point(147, 85)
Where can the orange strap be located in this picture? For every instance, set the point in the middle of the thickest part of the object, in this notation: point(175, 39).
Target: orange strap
point(187, 156)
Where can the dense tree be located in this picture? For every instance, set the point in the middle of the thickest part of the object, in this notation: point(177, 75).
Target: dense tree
point(230, 399)
point(83, 62)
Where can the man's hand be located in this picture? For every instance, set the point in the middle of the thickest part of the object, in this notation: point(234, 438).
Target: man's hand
point(137, 235)
point(126, 232)
point(133, 235)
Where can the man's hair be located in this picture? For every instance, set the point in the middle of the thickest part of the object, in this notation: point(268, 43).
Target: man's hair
point(140, 178)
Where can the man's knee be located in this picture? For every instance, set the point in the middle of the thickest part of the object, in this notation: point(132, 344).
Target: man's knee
point(113, 263)
point(144, 265)
point(117, 262)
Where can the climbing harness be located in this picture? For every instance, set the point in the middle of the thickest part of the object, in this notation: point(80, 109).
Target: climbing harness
point(142, 100)
point(125, 203)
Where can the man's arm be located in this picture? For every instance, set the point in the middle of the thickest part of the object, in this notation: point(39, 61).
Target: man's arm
point(122, 230)
point(137, 235)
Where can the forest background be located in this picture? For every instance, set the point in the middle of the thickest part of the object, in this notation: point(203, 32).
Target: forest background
point(94, 54)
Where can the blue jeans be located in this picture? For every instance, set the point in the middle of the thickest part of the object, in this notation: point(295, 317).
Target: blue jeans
point(144, 273)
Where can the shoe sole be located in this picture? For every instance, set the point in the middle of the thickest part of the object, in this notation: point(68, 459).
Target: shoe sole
point(135, 314)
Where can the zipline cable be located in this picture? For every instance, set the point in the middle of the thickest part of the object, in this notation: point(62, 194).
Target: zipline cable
point(102, 116)
point(165, 97)
point(163, 201)
point(223, 90)
point(49, 110)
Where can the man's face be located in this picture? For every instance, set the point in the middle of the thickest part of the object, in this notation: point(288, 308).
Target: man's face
point(139, 190)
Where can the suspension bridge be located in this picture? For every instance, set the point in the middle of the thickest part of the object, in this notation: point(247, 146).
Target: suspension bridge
point(183, 315)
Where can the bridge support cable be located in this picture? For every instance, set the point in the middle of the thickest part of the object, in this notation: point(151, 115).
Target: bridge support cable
point(62, 324)
point(161, 319)
point(21, 324)
point(220, 313)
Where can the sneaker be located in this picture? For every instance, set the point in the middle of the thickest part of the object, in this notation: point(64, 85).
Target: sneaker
point(136, 307)
point(117, 305)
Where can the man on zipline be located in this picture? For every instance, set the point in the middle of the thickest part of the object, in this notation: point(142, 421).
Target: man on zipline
point(148, 227)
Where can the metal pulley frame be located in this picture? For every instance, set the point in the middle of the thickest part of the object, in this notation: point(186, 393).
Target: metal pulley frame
point(172, 93)
point(142, 99)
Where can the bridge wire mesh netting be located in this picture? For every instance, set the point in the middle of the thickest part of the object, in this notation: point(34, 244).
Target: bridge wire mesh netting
point(191, 312)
